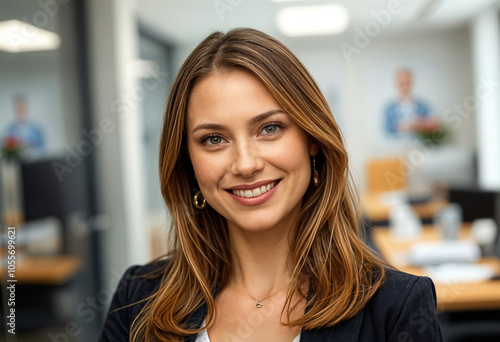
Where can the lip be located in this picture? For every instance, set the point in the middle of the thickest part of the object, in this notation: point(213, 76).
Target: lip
point(252, 201)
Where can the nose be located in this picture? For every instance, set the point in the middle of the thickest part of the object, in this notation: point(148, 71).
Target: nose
point(247, 161)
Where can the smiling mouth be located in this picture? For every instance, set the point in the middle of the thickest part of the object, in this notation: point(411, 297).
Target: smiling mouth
point(254, 192)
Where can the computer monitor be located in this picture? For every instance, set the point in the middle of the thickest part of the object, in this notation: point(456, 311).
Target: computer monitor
point(45, 193)
point(477, 203)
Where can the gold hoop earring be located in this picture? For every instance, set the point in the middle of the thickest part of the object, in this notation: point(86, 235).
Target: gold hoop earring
point(315, 173)
point(198, 205)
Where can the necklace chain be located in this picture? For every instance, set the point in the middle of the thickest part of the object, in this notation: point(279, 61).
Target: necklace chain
point(259, 303)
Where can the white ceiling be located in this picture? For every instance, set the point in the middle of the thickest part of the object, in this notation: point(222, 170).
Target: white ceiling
point(189, 21)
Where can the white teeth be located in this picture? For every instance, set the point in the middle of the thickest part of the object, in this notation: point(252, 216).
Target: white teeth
point(254, 192)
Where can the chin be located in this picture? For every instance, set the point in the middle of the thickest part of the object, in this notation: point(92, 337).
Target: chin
point(250, 224)
point(254, 227)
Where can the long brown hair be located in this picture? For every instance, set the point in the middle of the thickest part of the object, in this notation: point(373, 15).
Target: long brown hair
point(327, 251)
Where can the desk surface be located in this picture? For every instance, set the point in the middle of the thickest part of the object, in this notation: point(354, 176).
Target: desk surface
point(376, 210)
point(452, 297)
point(45, 270)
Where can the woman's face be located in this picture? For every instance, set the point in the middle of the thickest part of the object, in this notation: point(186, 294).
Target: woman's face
point(250, 159)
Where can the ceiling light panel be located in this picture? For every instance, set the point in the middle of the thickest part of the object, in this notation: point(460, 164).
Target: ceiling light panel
point(297, 21)
point(18, 36)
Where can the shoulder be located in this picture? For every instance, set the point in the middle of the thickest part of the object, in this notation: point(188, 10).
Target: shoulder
point(391, 106)
point(422, 106)
point(145, 273)
point(402, 288)
point(397, 281)
point(139, 282)
point(406, 304)
point(403, 309)
point(135, 286)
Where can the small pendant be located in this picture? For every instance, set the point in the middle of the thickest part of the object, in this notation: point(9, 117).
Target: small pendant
point(259, 304)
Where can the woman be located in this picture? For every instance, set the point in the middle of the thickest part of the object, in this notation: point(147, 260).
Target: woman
point(265, 224)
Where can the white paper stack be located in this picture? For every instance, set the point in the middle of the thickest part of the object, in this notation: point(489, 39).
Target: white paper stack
point(459, 273)
point(436, 253)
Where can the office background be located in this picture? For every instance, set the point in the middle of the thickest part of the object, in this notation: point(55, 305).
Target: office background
point(98, 98)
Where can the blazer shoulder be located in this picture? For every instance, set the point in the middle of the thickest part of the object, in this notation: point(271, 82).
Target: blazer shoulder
point(408, 302)
point(403, 309)
point(399, 285)
point(142, 281)
point(135, 286)
point(149, 269)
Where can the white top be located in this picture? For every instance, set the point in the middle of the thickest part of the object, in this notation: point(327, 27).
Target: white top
point(203, 336)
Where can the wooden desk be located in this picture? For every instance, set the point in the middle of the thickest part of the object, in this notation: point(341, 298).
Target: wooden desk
point(47, 270)
point(450, 297)
point(376, 210)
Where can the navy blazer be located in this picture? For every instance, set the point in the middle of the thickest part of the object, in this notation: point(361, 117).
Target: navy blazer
point(402, 310)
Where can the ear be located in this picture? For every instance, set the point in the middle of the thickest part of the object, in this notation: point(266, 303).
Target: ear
point(313, 146)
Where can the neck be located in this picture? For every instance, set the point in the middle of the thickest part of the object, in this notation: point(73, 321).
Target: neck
point(404, 98)
point(260, 260)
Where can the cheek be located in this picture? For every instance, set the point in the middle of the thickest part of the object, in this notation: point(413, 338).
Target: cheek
point(207, 172)
point(293, 156)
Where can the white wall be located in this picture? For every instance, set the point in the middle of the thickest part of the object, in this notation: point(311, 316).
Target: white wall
point(485, 29)
point(153, 108)
point(442, 75)
point(117, 94)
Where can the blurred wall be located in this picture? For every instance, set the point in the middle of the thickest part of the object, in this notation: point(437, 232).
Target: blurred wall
point(117, 96)
point(442, 76)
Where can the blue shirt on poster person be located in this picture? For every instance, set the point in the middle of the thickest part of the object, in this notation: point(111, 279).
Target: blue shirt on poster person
point(407, 115)
point(27, 133)
point(22, 131)
point(404, 111)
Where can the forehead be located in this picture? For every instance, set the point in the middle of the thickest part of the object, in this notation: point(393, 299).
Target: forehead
point(229, 96)
point(403, 75)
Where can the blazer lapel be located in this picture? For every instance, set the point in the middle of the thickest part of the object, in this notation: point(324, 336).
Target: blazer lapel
point(344, 331)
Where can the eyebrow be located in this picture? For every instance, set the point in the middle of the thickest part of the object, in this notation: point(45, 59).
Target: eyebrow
point(252, 121)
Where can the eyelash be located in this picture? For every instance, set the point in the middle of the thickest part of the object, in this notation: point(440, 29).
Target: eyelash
point(273, 124)
point(205, 139)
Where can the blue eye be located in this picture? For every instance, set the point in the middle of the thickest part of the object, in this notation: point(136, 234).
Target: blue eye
point(270, 129)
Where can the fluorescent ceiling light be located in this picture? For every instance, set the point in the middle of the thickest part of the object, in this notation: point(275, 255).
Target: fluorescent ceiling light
point(18, 36)
point(312, 20)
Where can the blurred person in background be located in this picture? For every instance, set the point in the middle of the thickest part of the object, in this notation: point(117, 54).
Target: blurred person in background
point(407, 114)
point(22, 134)
point(265, 231)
